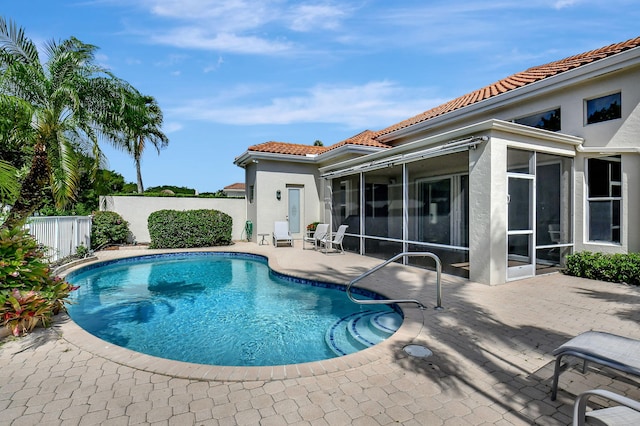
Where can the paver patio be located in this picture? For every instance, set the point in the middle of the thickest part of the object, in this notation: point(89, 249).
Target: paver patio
point(492, 360)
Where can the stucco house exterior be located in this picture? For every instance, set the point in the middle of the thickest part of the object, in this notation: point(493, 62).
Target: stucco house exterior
point(501, 183)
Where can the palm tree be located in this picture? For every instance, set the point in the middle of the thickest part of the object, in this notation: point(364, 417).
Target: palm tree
point(69, 101)
point(142, 122)
point(8, 183)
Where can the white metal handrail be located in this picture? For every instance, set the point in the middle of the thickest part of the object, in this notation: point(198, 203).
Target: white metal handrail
point(393, 259)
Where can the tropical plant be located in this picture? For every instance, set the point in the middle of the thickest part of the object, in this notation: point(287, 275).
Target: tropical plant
point(91, 186)
point(28, 293)
point(142, 122)
point(23, 310)
point(8, 184)
point(67, 103)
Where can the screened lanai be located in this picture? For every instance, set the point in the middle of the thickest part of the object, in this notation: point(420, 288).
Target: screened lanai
point(422, 203)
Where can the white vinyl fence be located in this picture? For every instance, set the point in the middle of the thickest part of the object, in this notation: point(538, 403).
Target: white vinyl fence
point(61, 235)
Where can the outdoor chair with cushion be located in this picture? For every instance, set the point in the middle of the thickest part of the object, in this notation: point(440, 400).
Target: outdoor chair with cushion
point(624, 414)
point(606, 349)
point(281, 234)
point(337, 239)
point(318, 235)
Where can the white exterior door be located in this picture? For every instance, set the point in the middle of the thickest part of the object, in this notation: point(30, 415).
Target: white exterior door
point(520, 228)
point(295, 211)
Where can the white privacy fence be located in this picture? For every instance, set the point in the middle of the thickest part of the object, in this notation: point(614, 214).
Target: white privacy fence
point(61, 235)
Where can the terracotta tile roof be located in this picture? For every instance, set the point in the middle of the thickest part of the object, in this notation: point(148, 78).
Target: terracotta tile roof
point(287, 148)
point(237, 186)
point(366, 138)
point(515, 81)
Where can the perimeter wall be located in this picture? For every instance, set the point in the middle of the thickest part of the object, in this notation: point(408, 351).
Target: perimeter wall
point(136, 211)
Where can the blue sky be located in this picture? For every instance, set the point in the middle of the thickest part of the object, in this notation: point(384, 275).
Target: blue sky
point(233, 73)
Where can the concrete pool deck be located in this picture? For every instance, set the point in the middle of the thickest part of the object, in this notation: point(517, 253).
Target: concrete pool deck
point(491, 361)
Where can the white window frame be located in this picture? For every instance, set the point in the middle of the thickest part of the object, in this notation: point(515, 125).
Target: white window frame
point(586, 109)
point(610, 198)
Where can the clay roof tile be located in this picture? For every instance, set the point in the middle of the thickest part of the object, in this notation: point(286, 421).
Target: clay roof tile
point(287, 148)
point(523, 78)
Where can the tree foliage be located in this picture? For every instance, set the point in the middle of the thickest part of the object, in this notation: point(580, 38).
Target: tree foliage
point(60, 106)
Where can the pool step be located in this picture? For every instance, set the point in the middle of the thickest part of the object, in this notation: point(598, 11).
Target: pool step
point(361, 330)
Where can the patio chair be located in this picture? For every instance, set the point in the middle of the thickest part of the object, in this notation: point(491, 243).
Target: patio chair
point(318, 234)
point(606, 349)
point(337, 238)
point(627, 413)
point(281, 233)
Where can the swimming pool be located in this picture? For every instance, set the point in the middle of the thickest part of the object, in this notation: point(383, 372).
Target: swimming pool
point(222, 309)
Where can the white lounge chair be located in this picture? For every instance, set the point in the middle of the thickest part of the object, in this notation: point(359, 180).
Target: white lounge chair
point(318, 235)
point(609, 350)
point(624, 414)
point(281, 234)
point(337, 239)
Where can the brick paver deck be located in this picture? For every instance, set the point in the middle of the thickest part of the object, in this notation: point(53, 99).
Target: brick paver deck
point(491, 362)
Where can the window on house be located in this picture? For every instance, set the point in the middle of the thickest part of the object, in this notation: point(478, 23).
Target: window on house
point(251, 193)
point(548, 120)
point(604, 108)
point(604, 198)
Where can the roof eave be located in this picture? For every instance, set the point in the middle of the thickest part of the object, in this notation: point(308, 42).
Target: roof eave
point(473, 130)
point(253, 156)
point(612, 63)
point(349, 149)
point(250, 156)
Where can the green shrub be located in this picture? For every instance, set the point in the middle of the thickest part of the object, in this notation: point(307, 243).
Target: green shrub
point(108, 228)
point(620, 268)
point(29, 294)
point(190, 228)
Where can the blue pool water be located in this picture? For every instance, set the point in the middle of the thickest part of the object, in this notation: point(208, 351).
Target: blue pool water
point(209, 308)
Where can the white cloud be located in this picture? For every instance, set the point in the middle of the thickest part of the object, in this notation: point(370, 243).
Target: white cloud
point(223, 15)
point(306, 18)
point(372, 105)
point(171, 127)
point(199, 38)
point(172, 60)
point(255, 27)
point(561, 4)
point(214, 67)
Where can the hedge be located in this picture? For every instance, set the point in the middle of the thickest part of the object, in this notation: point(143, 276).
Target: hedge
point(108, 228)
point(190, 228)
point(619, 268)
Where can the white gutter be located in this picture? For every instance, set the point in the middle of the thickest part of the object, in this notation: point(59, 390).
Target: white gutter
point(608, 150)
point(450, 147)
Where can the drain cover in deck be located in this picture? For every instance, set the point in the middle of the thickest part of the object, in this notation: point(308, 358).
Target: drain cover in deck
point(417, 351)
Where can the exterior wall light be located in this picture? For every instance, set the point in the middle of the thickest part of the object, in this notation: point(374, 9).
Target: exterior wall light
point(278, 195)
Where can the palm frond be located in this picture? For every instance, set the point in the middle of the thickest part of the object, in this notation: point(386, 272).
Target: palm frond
point(65, 176)
point(9, 186)
point(14, 41)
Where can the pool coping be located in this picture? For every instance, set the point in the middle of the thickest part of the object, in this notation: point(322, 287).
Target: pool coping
point(408, 333)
